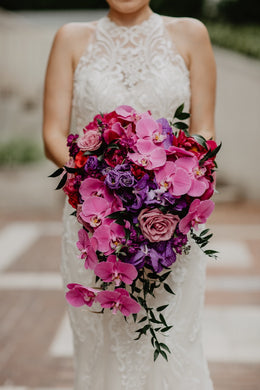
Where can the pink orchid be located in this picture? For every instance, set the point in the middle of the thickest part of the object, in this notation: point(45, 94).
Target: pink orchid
point(178, 152)
point(149, 156)
point(126, 112)
point(80, 295)
point(174, 177)
point(151, 130)
point(199, 184)
point(108, 236)
point(94, 187)
point(116, 271)
point(94, 210)
point(198, 213)
point(88, 248)
point(118, 299)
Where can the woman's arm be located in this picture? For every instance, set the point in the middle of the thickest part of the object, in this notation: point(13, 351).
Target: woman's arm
point(203, 81)
point(58, 96)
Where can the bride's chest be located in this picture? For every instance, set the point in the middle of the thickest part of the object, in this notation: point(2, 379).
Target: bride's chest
point(137, 70)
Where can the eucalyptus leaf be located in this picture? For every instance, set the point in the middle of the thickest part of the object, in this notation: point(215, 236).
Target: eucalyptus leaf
point(56, 173)
point(168, 288)
point(62, 182)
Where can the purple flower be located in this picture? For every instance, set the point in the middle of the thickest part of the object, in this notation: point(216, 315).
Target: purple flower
point(161, 256)
point(91, 164)
point(140, 257)
point(166, 130)
point(179, 241)
point(112, 180)
point(126, 179)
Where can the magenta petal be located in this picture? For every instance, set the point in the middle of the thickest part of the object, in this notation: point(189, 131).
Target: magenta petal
point(129, 306)
point(181, 182)
point(128, 272)
point(158, 157)
point(205, 208)
point(198, 187)
point(145, 127)
point(105, 271)
point(145, 147)
point(74, 298)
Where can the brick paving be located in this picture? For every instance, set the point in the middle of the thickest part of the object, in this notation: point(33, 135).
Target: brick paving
point(31, 318)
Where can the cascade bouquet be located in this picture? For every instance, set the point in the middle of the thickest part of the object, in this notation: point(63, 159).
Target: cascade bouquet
point(139, 187)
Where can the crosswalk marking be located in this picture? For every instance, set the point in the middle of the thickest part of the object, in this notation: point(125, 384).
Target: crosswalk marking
point(15, 239)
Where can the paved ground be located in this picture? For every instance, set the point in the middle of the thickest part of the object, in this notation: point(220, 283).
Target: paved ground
point(35, 338)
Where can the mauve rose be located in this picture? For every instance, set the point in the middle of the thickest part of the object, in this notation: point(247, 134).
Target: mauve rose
point(91, 140)
point(157, 226)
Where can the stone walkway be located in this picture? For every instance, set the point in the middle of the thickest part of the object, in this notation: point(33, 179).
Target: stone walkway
point(35, 338)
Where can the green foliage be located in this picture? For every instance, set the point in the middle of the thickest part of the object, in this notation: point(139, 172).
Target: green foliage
point(19, 151)
point(238, 11)
point(240, 38)
point(191, 8)
point(53, 4)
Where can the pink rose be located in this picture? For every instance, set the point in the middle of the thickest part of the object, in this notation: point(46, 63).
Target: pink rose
point(91, 140)
point(157, 226)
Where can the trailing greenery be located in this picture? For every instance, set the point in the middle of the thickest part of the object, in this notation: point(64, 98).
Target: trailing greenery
point(241, 38)
point(19, 151)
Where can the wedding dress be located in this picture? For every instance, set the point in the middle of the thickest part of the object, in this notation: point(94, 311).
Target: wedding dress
point(137, 66)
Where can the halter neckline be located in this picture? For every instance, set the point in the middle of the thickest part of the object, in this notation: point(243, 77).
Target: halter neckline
point(149, 21)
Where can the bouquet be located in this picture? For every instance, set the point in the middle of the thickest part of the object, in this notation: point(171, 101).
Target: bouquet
point(139, 187)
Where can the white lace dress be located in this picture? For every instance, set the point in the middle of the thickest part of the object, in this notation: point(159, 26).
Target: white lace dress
point(137, 66)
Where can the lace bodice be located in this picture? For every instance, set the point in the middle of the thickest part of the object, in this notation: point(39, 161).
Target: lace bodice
point(136, 65)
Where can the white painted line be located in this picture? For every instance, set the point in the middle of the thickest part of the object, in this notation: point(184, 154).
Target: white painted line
point(233, 283)
point(236, 231)
point(15, 239)
point(231, 254)
point(231, 334)
point(31, 281)
point(62, 345)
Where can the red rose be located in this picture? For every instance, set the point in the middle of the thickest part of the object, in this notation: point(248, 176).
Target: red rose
point(80, 159)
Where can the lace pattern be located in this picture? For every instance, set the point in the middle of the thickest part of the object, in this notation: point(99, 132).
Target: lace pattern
point(138, 66)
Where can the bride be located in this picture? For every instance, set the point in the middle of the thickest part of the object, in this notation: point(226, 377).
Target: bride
point(136, 57)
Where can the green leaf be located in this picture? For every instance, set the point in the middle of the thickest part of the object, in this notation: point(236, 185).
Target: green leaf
point(56, 173)
point(71, 170)
point(134, 316)
point(183, 116)
point(201, 140)
point(164, 276)
point(162, 319)
point(164, 346)
point(166, 328)
point(164, 355)
point(168, 288)
point(204, 232)
point(180, 125)
point(155, 355)
point(210, 154)
point(62, 182)
point(142, 319)
point(179, 110)
point(161, 308)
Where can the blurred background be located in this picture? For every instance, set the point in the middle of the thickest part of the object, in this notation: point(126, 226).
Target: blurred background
point(35, 339)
